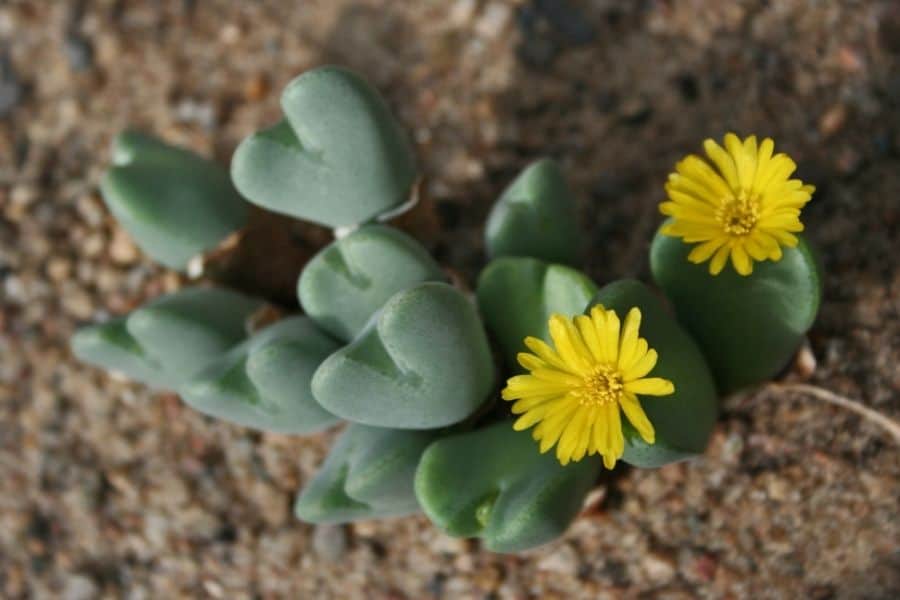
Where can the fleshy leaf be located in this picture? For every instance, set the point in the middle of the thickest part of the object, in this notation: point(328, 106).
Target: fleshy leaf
point(351, 279)
point(368, 474)
point(170, 339)
point(174, 203)
point(683, 420)
point(535, 216)
point(517, 296)
point(493, 483)
point(264, 382)
point(422, 362)
point(338, 158)
point(747, 326)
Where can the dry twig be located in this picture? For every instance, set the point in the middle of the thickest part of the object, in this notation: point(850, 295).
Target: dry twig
point(889, 425)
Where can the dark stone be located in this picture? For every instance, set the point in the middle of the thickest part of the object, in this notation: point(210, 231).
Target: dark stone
point(566, 20)
point(537, 52)
point(80, 52)
point(889, 30)
point(11, 90)
point(688, 87)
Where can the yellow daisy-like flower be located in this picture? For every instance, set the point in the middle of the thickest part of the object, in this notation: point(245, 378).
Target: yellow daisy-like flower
point(743, 206)
point(576, 389)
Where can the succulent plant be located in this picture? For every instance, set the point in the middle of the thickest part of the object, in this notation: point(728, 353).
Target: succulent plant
point(414, 364)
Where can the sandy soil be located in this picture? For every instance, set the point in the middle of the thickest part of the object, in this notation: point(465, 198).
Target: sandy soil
point(112, 491)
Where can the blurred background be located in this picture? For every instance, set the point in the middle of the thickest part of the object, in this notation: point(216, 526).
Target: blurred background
point(109, 490)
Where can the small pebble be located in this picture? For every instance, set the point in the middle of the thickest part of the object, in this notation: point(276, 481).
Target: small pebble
point(79, 52)
point(11, 89)
point(832, 120)
point(658, 567)
point(330, 541)
point(122, 250)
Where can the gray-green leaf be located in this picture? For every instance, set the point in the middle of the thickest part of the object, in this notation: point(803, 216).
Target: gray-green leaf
point(264, 382)
point(517, 296)
point(338, 158)
point(351, 279)
point(536, 216)
point(423, 362)
point(493, 483)
point(747, 326)
point(174, 203)
point(683, 420)
point(168, 340)
point(368, 474)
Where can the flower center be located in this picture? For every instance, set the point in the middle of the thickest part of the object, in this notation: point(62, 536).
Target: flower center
point(602, 386)
point(738, 215)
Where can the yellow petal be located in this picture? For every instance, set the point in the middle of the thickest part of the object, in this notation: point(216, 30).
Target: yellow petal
point(570, 438)
point(719, 259)
point(643, 366)
point(615, 439)
point(740, 260)
point(629, 337)
point(599, 435)
point(611, 336)
point(525, 404)
point(724, 163)
point(704, 251)
point(530, 362)
point(555, 376)
point(589, 335)
point(637, 417)
point(650, 386)
point(530, 418)
point(564, 346)
point(546, 353)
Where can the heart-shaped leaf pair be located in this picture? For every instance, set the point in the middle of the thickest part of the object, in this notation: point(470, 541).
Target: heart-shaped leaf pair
point(494, 484)
point(264, 382)
point(338, 158)
point(747, 326)
point(423, 362)
point(536, 216)
point(517, 296)
point(167, 341)
point(174, 203)
point(349, 280)
point(368, 474)
point(683, 420)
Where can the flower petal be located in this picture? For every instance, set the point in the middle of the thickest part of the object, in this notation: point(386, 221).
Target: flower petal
point(637, 417)
point(650, 386)
point(641, 367)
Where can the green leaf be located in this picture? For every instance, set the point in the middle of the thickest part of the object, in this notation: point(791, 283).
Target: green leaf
point(747, 326)
point(368, 474)
point(168, 340)
point(264, 382)
point(493, 483)
point(109, 345)
point(349, 280)
point(339, 158)
point(517, 296)
point(423, 362)
point(174, 203)
point(536, 216)
point(684, 420)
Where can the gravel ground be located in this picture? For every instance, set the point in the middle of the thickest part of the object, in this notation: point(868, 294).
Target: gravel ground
point(112, 491)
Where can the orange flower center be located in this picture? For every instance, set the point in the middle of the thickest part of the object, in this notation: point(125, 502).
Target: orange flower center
point(738, 215)
point(602, 386)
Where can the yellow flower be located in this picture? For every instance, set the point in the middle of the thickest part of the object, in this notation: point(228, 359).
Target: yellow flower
point(576, 388)
point(743, 205)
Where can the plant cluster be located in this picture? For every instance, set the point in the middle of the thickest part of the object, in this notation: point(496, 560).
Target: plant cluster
point(414, 364)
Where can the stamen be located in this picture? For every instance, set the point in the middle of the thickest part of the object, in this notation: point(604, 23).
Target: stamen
point(738, 215)
point(602, 386)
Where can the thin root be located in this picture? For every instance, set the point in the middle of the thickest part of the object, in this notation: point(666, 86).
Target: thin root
point(891, 426)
